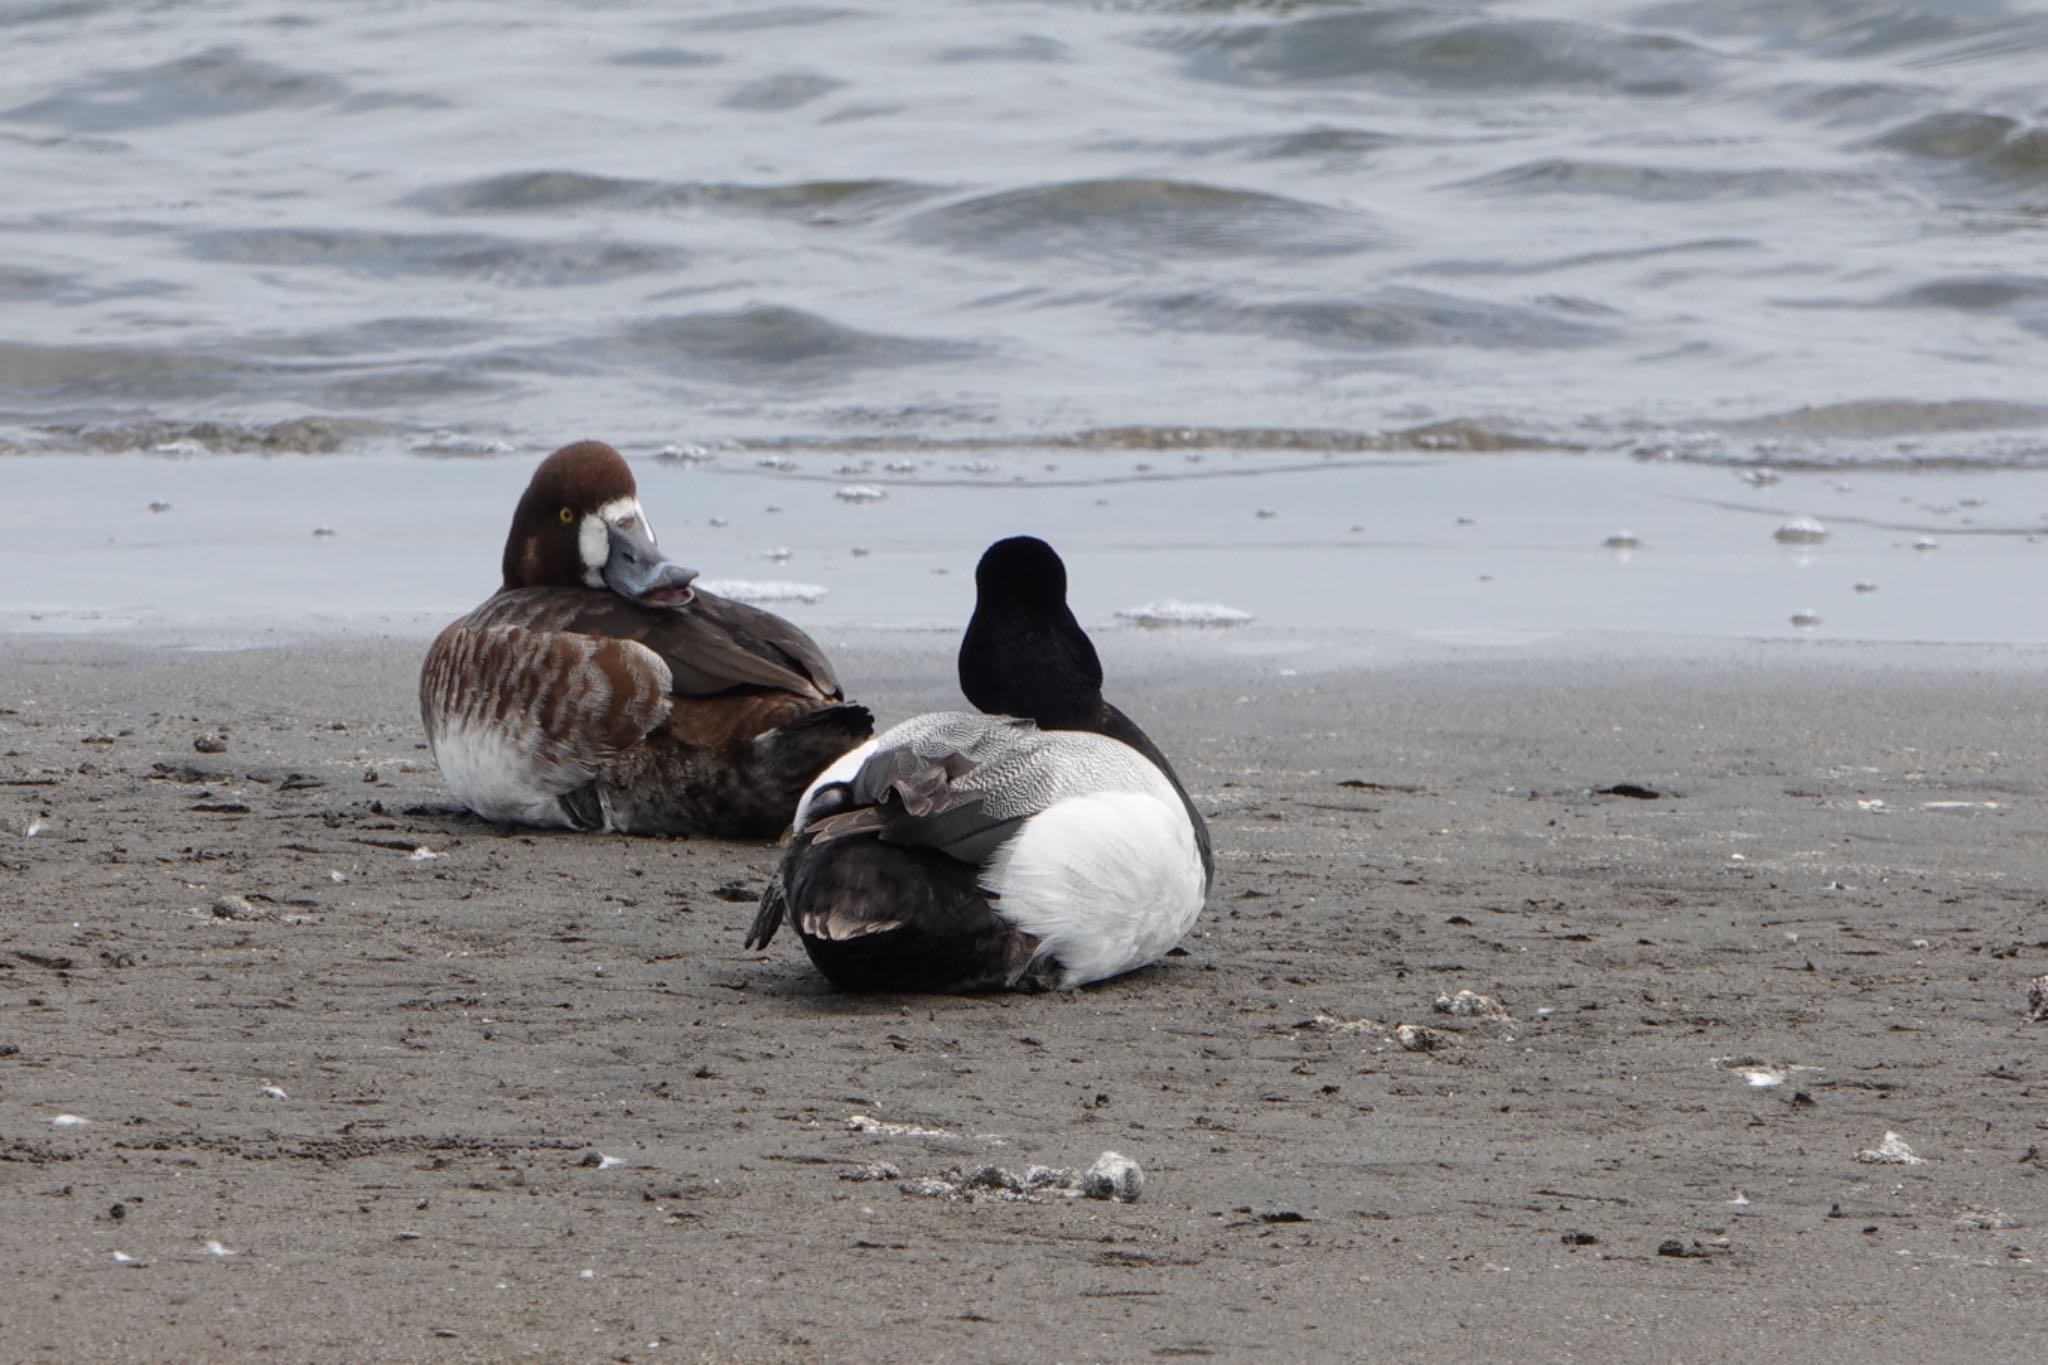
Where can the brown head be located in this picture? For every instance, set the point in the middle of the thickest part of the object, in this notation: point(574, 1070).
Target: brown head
point(579, 524)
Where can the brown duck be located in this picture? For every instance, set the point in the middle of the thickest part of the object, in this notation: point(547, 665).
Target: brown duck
point(598, 689)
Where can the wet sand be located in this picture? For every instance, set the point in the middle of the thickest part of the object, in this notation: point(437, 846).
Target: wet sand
point(528, 1097)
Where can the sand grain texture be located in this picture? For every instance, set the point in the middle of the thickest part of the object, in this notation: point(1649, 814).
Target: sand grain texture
point(530, 1098)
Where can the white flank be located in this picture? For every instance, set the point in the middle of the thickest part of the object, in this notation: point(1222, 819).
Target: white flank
point(496, 774)
point(842, 770)
point(1107, 882)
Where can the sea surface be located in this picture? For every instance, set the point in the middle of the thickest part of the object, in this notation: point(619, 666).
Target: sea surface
point(1409, 317)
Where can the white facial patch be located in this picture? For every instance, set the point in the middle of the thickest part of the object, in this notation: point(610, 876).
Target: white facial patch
point(593, 543)
point(593, 536)
point(625, 513)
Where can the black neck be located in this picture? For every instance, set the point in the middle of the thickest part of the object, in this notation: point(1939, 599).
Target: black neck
point(1024, 663)
point(1121, 727)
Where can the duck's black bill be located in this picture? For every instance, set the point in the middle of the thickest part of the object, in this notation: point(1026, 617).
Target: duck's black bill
point(637, 569)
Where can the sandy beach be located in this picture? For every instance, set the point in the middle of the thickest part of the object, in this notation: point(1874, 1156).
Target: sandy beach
point(298, 1063)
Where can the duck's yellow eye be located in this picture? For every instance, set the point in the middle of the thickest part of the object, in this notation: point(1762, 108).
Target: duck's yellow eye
point(568, 515)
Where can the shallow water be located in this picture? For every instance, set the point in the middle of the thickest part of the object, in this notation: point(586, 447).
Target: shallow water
point(1808, 233)
point(1325, 545)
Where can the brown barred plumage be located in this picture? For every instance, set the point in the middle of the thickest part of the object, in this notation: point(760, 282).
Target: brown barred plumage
point(558, 704)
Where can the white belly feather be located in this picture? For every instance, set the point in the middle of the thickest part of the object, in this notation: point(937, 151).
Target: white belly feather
point(1107, 882)
point(495, 773)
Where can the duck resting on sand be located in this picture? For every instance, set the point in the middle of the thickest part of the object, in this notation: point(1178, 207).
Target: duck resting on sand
point(1042, 841)
point(598, 689)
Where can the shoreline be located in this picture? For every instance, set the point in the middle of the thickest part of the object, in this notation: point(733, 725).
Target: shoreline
point(1469, 544)
point(534, 1098)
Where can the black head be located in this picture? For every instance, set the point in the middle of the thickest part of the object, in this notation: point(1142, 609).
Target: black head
point(1024, 654)
point(579, 524)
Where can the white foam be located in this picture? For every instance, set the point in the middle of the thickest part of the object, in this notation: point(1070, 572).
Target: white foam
point(862, 1123)
point(762, 590)
point(1171, 611)
point(1892, 1151)
point(1801, 531)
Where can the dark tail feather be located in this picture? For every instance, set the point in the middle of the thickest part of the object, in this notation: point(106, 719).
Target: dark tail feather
point(848, 717)
point(583, 806)
point(793, 754)
point(771, 914)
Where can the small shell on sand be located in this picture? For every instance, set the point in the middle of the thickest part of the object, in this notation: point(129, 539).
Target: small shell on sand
point(1470, 1005)
point(1421, 1038)
point(1114, 1176)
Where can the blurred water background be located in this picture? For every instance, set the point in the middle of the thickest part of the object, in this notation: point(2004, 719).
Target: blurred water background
point(1339, 313)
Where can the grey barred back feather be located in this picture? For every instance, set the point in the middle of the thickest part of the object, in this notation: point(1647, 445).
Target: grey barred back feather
point(1014, 768)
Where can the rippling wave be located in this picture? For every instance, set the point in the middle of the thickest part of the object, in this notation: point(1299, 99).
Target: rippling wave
point(1142, 219)
point(1718, 230)
point(548, 192)
point(1435, 50)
